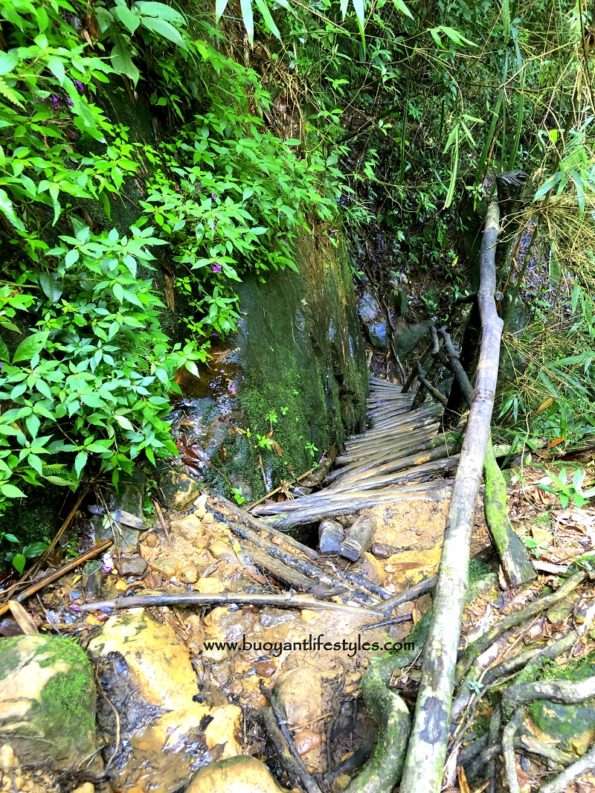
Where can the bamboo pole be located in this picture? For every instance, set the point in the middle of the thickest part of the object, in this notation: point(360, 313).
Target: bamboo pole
point(426, 753)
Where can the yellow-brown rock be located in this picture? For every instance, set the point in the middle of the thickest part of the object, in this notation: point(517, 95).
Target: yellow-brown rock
point(146, 672)
point(237, 775)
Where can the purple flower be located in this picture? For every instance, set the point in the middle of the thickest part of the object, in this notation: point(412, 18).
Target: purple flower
point(216, 268)
point(80, 87)
point(69, 102)
point(55, 101)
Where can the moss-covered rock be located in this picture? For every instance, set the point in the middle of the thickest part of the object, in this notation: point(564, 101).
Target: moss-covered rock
point(47, 700)
point(571, 726)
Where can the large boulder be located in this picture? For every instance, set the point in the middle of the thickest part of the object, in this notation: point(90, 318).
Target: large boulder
point(292, 383)
point(47, 701)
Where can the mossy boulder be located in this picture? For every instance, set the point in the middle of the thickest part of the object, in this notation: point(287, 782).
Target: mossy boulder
point(571, 726)
point(47, 700)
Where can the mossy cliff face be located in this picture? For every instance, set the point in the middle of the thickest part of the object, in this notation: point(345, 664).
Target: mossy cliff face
point(304, 376)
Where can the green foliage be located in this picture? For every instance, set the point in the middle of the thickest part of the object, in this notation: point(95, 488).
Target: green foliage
point(232, 198)
point(567, 486)
point(92, 377)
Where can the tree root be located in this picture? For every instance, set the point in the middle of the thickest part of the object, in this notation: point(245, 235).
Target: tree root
point(565, 691)
point(516, 618)
point(382, 771)
point(508, 737)
point(561, 783)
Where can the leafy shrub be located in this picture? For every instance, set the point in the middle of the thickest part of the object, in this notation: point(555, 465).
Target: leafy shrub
point(93, 376)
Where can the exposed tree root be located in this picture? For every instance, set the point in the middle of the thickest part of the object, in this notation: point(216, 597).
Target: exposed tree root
point(565, 691)
point(516, 618)
point(561, 783)
point(382, 771)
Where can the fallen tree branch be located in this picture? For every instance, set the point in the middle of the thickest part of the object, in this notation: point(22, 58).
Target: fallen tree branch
point(41, 583)
point(561, 783)
point(424, 764)
point(278, 732)
point(514, 557)
point(182, 599)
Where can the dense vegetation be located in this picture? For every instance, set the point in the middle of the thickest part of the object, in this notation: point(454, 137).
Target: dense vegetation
point(383, 117)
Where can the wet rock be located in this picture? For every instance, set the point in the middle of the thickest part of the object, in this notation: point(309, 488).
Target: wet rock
point(131, 565)
point(166, 735)
point(179, 490)
point(236, 775)
point(331, 535)
point(15, 779)
point(47, 700)
point(374, 320)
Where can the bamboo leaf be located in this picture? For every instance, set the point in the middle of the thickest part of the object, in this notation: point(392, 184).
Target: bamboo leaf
point(248, 18)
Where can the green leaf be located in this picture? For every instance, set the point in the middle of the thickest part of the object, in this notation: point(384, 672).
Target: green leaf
point(160, 10)
point(33, 424)
point(29, 347)
point(4, 353)
point(124, 422)
point(128, 18)
point(402, 8)
point(7, 210)
point(18, 561)
point(8, 60)
point(164, 29)
point(56, 67)
point(79, 462)
point(51, 288)
point(11, 491)
point(72, 256)
point(268, 20)
point(248, 19)
point(122, 62)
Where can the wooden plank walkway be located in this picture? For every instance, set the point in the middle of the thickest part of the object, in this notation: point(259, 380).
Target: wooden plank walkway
point(402, 455)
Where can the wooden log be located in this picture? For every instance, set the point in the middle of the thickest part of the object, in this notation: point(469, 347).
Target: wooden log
point(441, 441)
point(330, 536)
point(426, 753)
point(411, 474)
point(359, 538)
point(513, 554)
point(436, 491)
point(370, 470)
point(514, 557)
point(188, 599)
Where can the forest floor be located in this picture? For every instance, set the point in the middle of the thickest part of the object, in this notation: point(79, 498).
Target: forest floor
point(182, 687)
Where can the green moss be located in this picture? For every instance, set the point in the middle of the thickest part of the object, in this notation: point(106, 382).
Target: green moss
point(566, 722)
point(304, 362)
point(67, 710)
point(60, 726)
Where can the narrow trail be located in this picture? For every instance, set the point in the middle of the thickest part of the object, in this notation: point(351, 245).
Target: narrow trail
point(403, 454)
